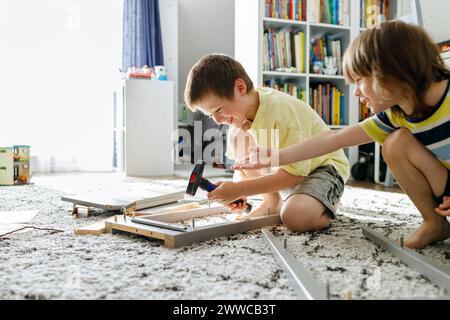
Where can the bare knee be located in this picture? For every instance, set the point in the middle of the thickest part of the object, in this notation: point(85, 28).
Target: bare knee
point(394, 145)
point(301, 218)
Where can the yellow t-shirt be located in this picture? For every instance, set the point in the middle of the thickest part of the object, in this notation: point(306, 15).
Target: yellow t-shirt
point(432, 131)
point(293, 121)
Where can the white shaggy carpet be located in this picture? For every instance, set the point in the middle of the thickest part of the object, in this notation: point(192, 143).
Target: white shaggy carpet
point(48, 265)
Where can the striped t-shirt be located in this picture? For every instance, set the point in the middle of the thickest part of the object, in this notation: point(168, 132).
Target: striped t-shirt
point(432, 131)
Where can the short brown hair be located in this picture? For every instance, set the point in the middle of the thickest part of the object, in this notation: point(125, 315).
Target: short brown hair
point(216, 74)
point(399, 56)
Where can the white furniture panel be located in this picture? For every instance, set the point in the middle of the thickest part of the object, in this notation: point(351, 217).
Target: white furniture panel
point(149, 124)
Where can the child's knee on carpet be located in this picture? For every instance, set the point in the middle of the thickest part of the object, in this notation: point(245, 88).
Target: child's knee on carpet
point(303, 213)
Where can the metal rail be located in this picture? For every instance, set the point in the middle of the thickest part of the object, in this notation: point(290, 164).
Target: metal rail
point(306, 287)
point(436, 272)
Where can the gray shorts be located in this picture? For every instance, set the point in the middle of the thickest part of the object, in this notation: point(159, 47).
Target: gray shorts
point(326, 185)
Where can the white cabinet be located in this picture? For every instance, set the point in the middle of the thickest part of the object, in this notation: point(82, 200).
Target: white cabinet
point(148, 127)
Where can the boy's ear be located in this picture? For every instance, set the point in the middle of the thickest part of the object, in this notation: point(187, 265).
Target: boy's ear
point(240, 87)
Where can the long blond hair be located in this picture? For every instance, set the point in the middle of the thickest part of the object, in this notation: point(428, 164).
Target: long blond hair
point(402, 60)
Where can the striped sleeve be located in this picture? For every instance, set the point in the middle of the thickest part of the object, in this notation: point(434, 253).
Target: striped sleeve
point(378, 127)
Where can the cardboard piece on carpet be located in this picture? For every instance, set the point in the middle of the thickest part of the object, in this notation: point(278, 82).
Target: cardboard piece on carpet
point(14, 217)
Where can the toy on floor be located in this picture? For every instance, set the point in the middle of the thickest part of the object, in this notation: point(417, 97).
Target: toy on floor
point(14, 165)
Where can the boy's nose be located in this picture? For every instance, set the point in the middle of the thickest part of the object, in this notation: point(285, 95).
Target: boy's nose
point(357, 92)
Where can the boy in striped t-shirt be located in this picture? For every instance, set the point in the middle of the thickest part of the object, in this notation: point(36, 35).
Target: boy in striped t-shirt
point(399, 72)
point(432, 130)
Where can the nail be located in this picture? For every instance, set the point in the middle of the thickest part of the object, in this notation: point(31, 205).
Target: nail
point(193, 223)
point(328, 290)
point(401, 241)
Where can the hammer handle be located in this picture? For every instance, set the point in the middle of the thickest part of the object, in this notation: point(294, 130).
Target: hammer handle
point(210, 187)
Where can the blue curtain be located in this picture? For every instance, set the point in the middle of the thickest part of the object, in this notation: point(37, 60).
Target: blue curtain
point(142, 43)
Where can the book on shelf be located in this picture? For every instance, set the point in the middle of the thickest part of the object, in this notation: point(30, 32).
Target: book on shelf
point(285, 9)
point(290, 88)
point(335, 12)
point(329, 102)
point(284, 49)
point(364, 111)
point(374, 12)
point(326, 47)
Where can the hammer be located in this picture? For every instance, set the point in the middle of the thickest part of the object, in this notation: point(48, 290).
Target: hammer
point(196, 180)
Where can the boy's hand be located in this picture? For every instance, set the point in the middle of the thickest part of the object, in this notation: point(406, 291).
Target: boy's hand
point(444, 207)
point(226, 192)
point(238, 208)
point(259, 157)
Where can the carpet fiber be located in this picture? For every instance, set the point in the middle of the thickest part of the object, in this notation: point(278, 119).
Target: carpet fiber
point(51, 265)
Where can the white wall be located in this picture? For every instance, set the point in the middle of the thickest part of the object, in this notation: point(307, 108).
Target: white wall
point(59, 62)
point(205, 26)
point(435, 16)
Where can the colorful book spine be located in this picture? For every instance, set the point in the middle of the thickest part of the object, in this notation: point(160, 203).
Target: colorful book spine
point(287, 87)
point(373, 12)
point(285, 9)
point(342, 109)
point(283, 49)
point(329, 102)
point(335, 12)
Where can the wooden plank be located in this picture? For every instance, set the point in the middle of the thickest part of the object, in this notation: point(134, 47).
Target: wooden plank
point(151, 212)
point(176, 239)
point(188, 214)
point(144, 230)
point(96, 229)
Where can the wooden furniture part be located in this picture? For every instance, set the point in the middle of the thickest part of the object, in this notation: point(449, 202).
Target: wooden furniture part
point(175, 238)
point(99, 227)
point(157, 210)
point(115, 203)
point(95, 229)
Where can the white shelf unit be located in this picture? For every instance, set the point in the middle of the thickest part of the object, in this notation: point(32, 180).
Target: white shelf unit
point(250, 23)
point(148, 125)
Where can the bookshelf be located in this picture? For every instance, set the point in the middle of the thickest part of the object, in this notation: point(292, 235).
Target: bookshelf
point(252, 25)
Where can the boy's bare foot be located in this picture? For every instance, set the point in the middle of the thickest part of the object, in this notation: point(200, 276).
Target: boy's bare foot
point(268, 206)
point(428, 233)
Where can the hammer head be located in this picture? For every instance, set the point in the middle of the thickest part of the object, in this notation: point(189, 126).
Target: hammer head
point(195, 178)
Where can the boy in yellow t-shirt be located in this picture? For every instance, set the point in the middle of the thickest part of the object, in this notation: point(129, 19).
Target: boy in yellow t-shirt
point(218, 86)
